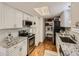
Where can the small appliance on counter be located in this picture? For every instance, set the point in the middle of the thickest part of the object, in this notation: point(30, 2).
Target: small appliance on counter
point(24, 33)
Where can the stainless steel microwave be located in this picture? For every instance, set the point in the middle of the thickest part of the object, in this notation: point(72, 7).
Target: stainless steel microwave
point(27, 23)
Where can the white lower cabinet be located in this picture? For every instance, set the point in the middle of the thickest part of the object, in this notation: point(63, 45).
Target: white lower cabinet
point(13, 51)
point(57, 44)
point(3, 51)
point(18, 50)
point(22, 49)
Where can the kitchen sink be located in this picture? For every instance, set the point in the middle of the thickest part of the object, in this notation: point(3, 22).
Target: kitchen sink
point(67, 40)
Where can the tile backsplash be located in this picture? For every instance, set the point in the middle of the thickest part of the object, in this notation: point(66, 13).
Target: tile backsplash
point(4, 33)
point(14, 32)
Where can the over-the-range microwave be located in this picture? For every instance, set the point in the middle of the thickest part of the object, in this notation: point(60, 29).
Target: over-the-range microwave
point(27, 23)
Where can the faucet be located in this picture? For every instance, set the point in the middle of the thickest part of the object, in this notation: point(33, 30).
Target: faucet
point(73, 36)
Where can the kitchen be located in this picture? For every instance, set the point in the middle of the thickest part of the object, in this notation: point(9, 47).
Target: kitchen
point(29, 27)
point(17, 31)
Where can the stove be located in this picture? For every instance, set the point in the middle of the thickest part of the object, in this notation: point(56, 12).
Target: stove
point(30, 40)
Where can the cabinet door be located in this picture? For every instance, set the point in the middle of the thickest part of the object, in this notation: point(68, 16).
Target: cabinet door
point(19, 18)
point(27, 17)
point(0, 16)
point(22, 48)
point(13, 51)
point(10, 17)
point(19, 49)
point(13, 18)
point(7, 16)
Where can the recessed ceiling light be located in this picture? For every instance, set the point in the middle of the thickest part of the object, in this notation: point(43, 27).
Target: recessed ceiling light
point(42, 10)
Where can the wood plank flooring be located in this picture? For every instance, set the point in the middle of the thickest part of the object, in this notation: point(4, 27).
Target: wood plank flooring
point(46, 45)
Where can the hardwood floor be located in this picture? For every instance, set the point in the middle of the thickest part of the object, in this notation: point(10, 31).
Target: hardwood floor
point(46, 45)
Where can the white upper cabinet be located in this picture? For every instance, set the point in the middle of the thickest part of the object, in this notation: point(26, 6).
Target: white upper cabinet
point(19, 18)
point(2, 15)
point(10, 17)
point(65, 19)
point(13, 18)
point(26, 17)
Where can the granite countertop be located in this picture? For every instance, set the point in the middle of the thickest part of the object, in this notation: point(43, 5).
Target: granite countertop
point(70, 49)
point(15, 41)
point(75, 30)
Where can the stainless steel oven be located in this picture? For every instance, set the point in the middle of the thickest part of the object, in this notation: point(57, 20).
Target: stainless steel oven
point(31, 41)
point(31, 44)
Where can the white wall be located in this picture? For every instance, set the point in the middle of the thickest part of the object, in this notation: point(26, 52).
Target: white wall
point(74, 13)
point(4, 32)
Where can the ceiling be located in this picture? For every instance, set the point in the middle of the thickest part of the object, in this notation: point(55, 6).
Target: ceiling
point(54, 8)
